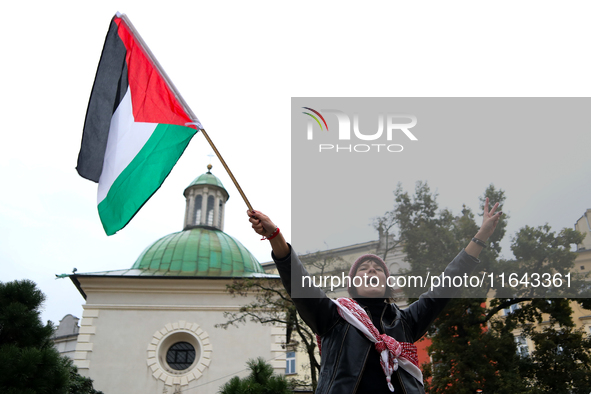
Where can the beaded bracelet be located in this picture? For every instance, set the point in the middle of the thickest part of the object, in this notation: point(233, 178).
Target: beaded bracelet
point(478, 242)
point(275, 233)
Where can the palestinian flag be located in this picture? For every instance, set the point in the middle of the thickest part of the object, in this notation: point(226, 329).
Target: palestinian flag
point(137, 126)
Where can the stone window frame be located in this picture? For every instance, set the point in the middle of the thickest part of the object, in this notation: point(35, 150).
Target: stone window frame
point(181, 329)
point(290, 362)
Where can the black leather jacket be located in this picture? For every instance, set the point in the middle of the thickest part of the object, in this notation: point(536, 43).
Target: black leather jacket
point(344, 348)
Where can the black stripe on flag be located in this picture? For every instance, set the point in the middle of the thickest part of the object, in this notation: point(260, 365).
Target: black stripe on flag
point(110, 85)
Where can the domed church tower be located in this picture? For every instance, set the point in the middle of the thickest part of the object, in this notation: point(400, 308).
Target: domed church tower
point(202, 249)
point(206, 198)
point(152, 328)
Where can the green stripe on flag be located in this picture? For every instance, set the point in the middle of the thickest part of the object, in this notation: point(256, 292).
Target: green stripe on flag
point(143, 176)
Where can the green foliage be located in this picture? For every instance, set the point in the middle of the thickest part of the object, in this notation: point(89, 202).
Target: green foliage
point(261, 380)
point(563, 361)
point(28, 361)
point(467, 356)
point(78, 383)
point(32, 370)
point(472, 347)
point(20, 322)
point(272, 305)
point(427, 237)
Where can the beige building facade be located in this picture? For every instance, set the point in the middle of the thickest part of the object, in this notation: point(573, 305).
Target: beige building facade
point(129, 324)
point(152, 328)
point(65, 337)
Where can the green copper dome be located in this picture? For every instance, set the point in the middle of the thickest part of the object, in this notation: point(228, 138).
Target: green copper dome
point(198, 252)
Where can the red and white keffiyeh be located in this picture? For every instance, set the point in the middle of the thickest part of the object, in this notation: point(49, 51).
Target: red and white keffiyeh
point(392, 352)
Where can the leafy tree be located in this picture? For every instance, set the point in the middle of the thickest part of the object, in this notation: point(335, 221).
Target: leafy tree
point(260, 381)
point(563, 361)
point(28, 360)
point(78, 384)
point(465, 354)
point(272, 305)
point(472, 348)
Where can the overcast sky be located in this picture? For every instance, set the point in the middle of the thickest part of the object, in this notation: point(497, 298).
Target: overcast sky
point(237, 64)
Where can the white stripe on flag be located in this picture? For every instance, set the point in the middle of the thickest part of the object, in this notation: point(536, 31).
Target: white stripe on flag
point(126, 139)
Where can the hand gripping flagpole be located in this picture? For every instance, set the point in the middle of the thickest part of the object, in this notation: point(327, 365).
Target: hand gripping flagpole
point(195, 121)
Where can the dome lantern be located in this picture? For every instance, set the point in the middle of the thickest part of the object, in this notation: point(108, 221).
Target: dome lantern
point(205, 202)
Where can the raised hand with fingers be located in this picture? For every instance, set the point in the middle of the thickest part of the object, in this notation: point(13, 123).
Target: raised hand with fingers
point(490, 219)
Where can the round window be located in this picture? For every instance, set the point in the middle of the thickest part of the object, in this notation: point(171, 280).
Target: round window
point(180, 356)
point(179, 353)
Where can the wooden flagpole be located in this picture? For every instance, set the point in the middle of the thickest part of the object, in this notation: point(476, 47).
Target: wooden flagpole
point(173, 88)
point(227, 169)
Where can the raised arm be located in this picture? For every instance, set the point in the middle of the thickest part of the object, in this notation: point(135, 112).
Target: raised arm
point(421, 313)
point(489, 224)
point(315, 308)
